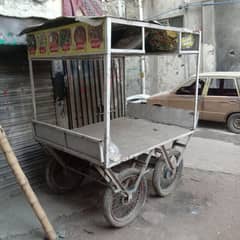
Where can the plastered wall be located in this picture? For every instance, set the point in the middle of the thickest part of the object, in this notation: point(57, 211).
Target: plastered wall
point(31, 8)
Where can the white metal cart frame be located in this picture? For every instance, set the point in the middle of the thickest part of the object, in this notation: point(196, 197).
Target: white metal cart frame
point(93, 142)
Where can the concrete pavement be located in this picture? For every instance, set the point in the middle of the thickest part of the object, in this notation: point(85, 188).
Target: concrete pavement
point(213, 148)
point(204, 206)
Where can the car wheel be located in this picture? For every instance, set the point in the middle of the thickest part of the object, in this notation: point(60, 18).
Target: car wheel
point(233, 123)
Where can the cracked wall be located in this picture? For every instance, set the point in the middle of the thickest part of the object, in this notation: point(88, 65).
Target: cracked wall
point(164, 73)
point(227, 31)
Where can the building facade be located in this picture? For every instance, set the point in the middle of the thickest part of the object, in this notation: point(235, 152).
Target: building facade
point(170, 71)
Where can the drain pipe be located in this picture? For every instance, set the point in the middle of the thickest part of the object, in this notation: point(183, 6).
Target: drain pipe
point(142, 58)
point(121, 8)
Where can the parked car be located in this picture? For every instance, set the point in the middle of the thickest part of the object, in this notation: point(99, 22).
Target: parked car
point(219, 98)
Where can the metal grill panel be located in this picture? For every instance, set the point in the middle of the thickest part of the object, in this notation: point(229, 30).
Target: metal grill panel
point(86, 90)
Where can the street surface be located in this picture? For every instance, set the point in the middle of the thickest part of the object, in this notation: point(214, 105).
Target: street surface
point(204, 206)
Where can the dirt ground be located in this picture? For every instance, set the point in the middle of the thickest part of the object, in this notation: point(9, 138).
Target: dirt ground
point(204, 206)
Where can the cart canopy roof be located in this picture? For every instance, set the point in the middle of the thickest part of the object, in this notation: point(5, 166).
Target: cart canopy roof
point(68, 36)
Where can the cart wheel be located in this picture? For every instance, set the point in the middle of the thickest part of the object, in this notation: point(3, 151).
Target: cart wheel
point(165, 180)
point(120, 211)
point(60, 180)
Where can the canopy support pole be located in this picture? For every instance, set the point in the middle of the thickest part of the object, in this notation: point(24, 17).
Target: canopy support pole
point(195, 121)
point(107, 91)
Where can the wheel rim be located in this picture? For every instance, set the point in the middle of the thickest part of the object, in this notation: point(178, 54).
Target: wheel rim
point(167, 176)
point(123, 207)
point(236, 123)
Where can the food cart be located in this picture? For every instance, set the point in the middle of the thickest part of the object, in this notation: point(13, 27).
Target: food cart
point(121, 141)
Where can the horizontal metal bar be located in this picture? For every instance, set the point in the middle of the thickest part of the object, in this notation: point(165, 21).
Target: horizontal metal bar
point(67, 56)
point(115, 52)
point(182, 52)
point(126, 51)
point(150, 25)
point(71, 132)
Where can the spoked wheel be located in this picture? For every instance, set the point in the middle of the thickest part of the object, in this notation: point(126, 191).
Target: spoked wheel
point(120, 210)
point(61, 180)
point(164, 179)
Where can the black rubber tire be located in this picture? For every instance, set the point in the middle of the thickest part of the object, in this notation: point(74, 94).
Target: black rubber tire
point(60, 180)
point(233, 123)
point(159, 180)
point(108, 200)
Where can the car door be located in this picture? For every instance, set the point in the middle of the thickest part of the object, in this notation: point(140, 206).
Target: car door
point(184, 97)
point(222, 99)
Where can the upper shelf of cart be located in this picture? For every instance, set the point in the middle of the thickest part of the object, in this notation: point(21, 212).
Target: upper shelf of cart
point(68, 36)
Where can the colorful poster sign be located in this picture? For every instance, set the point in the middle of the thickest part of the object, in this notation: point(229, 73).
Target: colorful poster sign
point(95, 38)
point(188, 41)
point(53, 41)
point(65, 41)
point(80, 38)
point(43, 43)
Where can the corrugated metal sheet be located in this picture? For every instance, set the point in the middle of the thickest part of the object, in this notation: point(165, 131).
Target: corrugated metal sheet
point(85, 90)
point(16, 116)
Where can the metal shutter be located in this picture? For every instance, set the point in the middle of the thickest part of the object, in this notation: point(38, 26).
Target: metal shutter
point(16, 115)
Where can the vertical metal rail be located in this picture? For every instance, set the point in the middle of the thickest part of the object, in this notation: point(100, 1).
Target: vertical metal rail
point(101, 83)
point(142, 58)
point(77, 93)
point(179, 42)
point(82, 92)
point(107, 88)
point(93, 90)
point(98, 89)
point(112, 101)
point(118, 84)
point(197, 82)
point(123, 88)
point(32, 88)
point(72, 98)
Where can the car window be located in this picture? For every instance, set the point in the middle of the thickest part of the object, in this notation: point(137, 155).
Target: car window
point(222, 87)
point(189, 88)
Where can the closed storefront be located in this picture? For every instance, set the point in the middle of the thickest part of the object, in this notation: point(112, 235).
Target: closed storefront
point(16, 114)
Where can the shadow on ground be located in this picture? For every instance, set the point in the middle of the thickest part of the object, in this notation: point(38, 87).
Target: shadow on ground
point(204, 206)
